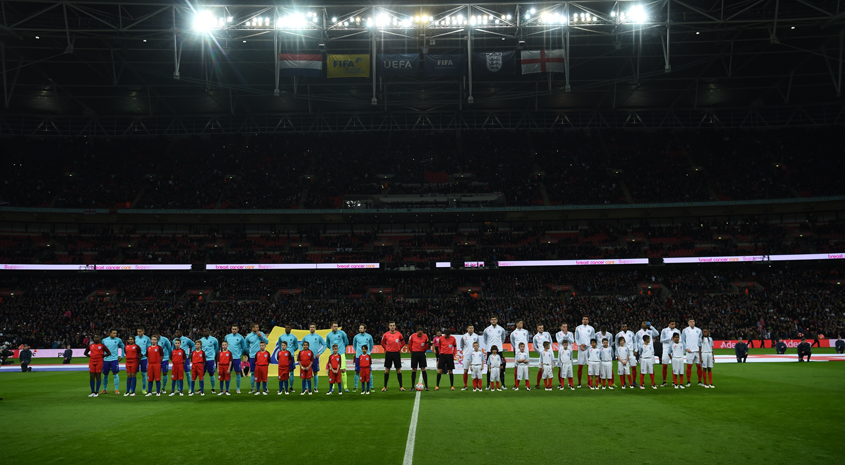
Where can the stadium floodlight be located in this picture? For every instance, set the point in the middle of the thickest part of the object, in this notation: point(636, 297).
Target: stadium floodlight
point(334, 19)
point(532, 11)
point(204, 21)
point(638, 14)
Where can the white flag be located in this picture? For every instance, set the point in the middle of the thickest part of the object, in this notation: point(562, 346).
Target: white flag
point(542, 61)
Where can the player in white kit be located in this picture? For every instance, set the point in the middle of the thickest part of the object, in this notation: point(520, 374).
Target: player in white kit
point(564, 361)
point(518, 335)
point(677, 350)
point(494, 335)
point(466, 341)
point(691, 338)
point(647, 361)
point(630, 343)
point(522, 368)
point(494, 364)
point(539, 340)
point(666, 339)
point(547, 363)
point(476, 364)
point(584, 333)
point(623, 357)
point(707, 358)
point(564, 335)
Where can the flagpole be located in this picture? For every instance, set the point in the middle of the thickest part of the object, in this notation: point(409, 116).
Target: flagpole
point(469, 64)
point(374, 101)
point(276, 48)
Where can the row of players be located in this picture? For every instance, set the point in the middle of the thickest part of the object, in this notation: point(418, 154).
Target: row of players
point(694, 345)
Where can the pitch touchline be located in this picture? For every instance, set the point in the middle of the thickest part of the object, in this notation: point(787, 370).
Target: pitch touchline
point(412, 432)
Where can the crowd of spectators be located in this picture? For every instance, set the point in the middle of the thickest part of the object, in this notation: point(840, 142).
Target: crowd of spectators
point(290, 171)
point(784, 302)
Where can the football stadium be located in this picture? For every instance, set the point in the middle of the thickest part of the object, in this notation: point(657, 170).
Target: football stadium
point(422, 232)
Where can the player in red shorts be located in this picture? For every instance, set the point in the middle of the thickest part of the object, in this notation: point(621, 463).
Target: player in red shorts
point(177, 375)
point(96, 351)
point(305, 358)
point(224, 368)
point(365, 362)
point(262, 365)
point(285, 360)
point(133, 361)
point(154, 355)
point(197, 368)
point(333, 367)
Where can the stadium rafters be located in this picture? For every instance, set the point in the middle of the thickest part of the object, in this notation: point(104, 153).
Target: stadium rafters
point(160, 67)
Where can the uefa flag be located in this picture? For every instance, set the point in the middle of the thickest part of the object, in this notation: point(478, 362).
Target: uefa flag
point(542, 61)
point(300, 64)
point(346, 66)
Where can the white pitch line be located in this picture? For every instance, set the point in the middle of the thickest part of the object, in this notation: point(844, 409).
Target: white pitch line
point(412, 432)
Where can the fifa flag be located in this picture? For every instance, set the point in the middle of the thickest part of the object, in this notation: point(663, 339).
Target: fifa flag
point(348, 66)
point(300, 64)
point(542, 61)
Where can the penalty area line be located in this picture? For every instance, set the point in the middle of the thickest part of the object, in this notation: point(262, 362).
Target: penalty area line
point(412, 432)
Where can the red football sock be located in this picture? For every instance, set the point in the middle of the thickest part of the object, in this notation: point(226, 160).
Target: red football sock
point(675, 379)
point(604, 382)
point(580, 367)
point(466, 375)
point(689, 373)
point(514, 375)
point(539, 374)
point(665, 369)
point(710, 376)
point(642, 378)
point(498, 385)
point(652, 379)
point(698, 371)
point(633, 373)
point(517, 383)
point(590, 381)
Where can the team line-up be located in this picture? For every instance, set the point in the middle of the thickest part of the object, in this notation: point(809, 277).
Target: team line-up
point(248, 356)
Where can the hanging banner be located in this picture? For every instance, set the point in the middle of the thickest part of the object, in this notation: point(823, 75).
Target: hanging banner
point(346, 66)
point(300, 64)
point(542, 61)
point(445, 65)
point(398, 64)
point(494, 63)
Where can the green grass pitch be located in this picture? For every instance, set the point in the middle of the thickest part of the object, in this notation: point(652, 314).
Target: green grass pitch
point(758, 413)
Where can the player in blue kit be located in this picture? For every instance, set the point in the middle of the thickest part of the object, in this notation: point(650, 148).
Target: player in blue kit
point(341, 340)
point(111, 363)
point(166, 349)
point(253, 342)
point(317, 345)
point(210, 346)
point(292, 346)
point(188, 347)
point(237, 346)
point(361, 340)
point(143, 342)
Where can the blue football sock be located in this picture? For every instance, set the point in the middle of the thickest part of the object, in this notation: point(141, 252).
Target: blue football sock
point(173, 386)
point(193, 384)
point(105, 382)
point(144, 378)
point(264, 386)
point(303, 385)
point(93, 389)
point(356, 381)
point(158, 386)
point(252, 381)
point(280, 384)
point(227, 385)
point(202, 386)
point(98, 386)
point(180, 385)
point(116, 382)
point(212, 381)
point(315, 380)
point(238, 381)
point(149, 386)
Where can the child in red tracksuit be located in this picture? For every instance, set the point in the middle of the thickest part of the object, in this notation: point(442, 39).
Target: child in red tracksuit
point(198, 368)
point(177, 375)
point(365, 362)
point(262, 365)
point(285, 360)
point(334, 367)
point(306, 359)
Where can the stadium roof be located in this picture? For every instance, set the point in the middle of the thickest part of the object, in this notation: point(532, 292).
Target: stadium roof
point(110, 67)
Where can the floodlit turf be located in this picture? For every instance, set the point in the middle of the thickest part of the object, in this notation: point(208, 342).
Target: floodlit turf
point(759, 412)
